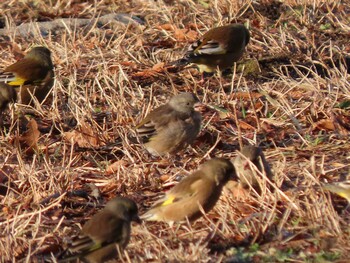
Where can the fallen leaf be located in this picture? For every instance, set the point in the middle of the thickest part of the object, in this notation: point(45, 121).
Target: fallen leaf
point(159, 67)
point(191, 35)
point(258, 106)
point(325, 124)
point(256, 23)
point(273, 122)
point(129, 64)
point(185, 34)
point(31, 137)
point(179, 35)
point(164, 177)
point(267, 127)
point(84, 137)
point(167, 27)
point(5, 210)
point(114, 167)
point(245, 126)
point(147, 73)
point(246, 95)
point(296, 94)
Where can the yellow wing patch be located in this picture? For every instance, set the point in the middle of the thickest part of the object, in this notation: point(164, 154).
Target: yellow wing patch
point(169, 200)
point(343, 194)
point(17, 82)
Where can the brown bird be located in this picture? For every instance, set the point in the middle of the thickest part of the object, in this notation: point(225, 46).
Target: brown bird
point(33, 74)
point(107, 233)
point(219, 48)
point(201, 189)
point(170, 127)
point(251, 155)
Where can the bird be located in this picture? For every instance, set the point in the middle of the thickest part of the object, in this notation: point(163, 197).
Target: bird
point(218, 48)
point(34, 74)
point(107, 233)
point(247, 174)
point(200, 190)
point(170, 127)
point(340, 188)
point(7, 95)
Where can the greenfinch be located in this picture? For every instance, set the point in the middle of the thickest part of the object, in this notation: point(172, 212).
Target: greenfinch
point(34, 75)
point(195, 193)
point(107, 233)
point(251, 155)
point(7, 95)
point(340, 188)
point(170, 127)
point(218, 48)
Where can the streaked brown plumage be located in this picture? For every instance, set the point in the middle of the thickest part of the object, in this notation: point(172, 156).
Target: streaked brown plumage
point(170, 127)
point(200, 189)
point(106, 232)
point(219, 48)
point(33, 74)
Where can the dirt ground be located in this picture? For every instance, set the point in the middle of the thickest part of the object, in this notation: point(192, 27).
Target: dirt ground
point(61, 161)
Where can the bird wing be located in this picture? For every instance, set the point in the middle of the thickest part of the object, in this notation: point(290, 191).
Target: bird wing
point(182, 200)
point(209, 47)
point(97, 233)
point(206, 46)
point(20, 75)
point(147, 128)
point(342, 189)
point(187, 188)
point(157, 119)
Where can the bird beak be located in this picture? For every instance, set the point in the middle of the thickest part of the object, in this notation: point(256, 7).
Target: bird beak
point(198, 106)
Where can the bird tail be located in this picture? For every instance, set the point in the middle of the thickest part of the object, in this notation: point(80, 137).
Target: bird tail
point(180, 63)
point(82, 243)
point(149, 216)
point(80, 248)
point(68, 259)
point(153, 215)
point(146, 216)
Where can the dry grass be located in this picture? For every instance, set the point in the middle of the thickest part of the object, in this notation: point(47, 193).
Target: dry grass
point(105, 84)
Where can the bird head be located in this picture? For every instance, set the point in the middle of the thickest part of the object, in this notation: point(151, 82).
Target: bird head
point(41, 54)
point(184, 102)
point(220, 169)
point(124, 208)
